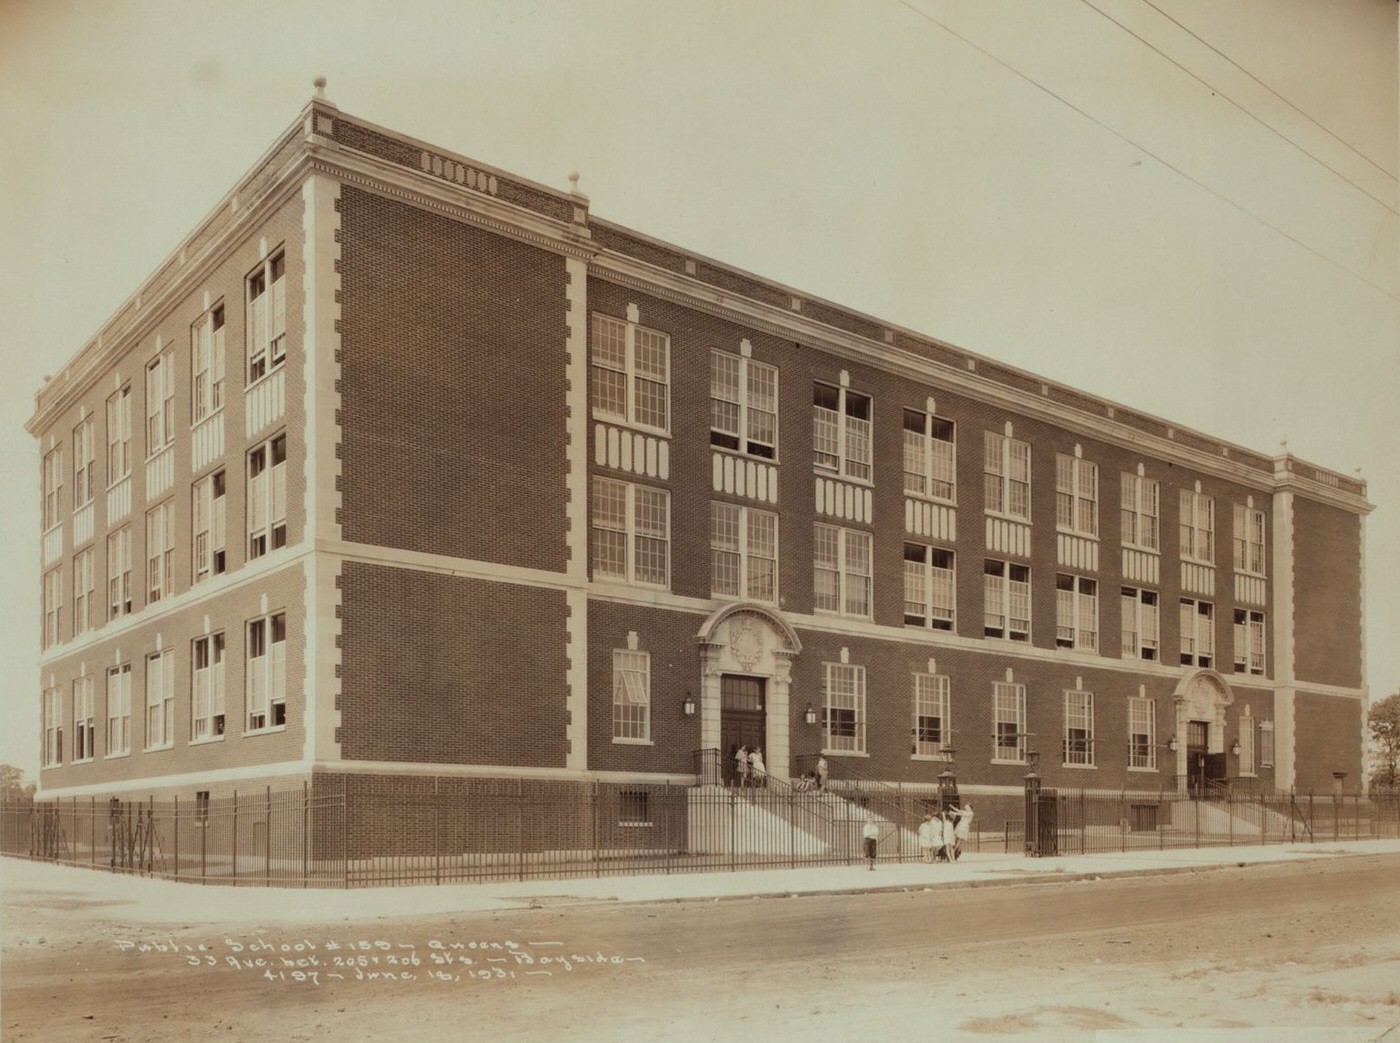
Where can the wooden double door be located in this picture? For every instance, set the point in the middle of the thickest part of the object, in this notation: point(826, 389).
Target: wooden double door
point(742, 718)
point(1202, 767)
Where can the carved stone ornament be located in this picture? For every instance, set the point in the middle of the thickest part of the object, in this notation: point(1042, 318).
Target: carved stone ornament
point(746, 642)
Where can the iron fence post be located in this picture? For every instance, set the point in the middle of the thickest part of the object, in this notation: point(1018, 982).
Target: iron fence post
point(1196, 804)
point(176, 829)
point(1230, 815)
point(437, 830)
point(346, 821)
point(597, 847)
point(267, 839)
point(203, 842)
point(92, 830)
point(305, 831)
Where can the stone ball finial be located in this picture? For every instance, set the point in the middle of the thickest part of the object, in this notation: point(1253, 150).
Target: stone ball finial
point(320, 84)
point(573, 181)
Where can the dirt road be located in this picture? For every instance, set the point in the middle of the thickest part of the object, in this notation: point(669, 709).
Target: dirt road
point(1312, 945)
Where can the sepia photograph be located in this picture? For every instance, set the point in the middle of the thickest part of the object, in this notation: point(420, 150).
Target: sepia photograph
point(719, 521)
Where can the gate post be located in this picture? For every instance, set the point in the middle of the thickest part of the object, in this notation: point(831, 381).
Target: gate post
point(1032, 826)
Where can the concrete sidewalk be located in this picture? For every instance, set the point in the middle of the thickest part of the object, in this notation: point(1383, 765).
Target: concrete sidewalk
point(85, 894)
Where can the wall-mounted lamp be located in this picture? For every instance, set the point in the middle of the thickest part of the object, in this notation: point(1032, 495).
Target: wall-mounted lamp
point(1235, 747)
point(1173, 745)
point(688, 707)
point(810, 714)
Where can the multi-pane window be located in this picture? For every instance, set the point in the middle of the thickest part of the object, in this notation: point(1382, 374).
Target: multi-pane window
point(1139, 512)
point(160, 700)
point(84, 728)
point(160, 402)
point(119, 435)
point(209, 525)
point(1197, 632)
point(1266, 744)
point(53, 606)
point(931, 729)
point(84, 449)
point(1077, 612)
point(743, 404)
point(119, 710)
point(267, 672)
point(267, 497)
point(930, 597)
point(1247, 765)
point(207, 364)
point(1249, 641)
point(631, 532)
point(631, 705)
point(267, 317)
point(843, 709)
point(53, 727)
point(1009, 721)
point(841, 579)
point(1006, 592)
point(1249, 540)
point(631, 373)
point(930, 460)
point(53, 485)
point(1076, 495)
point(160, 551)
point(1142, 733)
point(1079, 728)
point(743, 552)
point(1197, 527)
point(1006, 479)
point(1142, 623)
point(84, 580)
point(119, 572)
point(207, 692)
point(841, 431)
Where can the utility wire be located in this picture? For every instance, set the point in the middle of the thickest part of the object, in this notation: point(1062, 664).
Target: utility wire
point(1145, 150)
point(1221, 93)
point(1388, 175)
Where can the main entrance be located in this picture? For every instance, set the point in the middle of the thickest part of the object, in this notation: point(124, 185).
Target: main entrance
point(741, 718)
point(1202, 766)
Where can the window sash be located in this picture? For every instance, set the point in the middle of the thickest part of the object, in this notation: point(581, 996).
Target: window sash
point(841, 437)
point(930, 586)
point(631, 706)
point(1077, 495)
point(743, 404)
point(119, 601)
point(1006, 465)
point(1197, 525)
point(630, 373)
point(119, 710)
point(1079, 728)
point(930, 456)
point(930, 728)
point(842, 571)
point(1141, 625)
point(1139, 512)
point(843, 708)
point(119, 436)
point(1006, 592)
point(1009, 721)
point(1197, 622)
point(83, 448)
point(631, 532)
point(1142, 733)
point(1247, 765)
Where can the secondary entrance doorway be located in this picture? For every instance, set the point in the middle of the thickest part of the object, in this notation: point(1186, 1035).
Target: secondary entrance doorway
point(1202, 767)
point(741, 718)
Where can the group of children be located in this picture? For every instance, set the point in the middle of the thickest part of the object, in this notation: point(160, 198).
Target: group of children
point(749, 769)
point(942, 833)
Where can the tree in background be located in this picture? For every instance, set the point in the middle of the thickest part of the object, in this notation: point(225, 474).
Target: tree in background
point(12, 785)
point(1383, 723)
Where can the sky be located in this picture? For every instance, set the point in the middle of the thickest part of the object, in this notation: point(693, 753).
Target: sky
point(1185, 206)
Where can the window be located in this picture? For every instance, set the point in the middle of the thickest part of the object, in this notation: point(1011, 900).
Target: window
point(1247, 766)
point(267, 497)
point(930, 460)
point(1142, 733)
point(201, 807)
point(1197, 632)
point(1266, 744)
point(1076, 495)
point(631, 711)
point(1249, 540)
point(160, 552)
point(634, 807)
point(631, 373)
point(53, 606)
point(743, 404)
point(841, 431)
point(53, 727)
point(743, 552)
point(267, 317)
point(119, 710)
point(842, 578)
point(931, 730)
point(1141, 624)
point(53, 485)
point(1006, 590)
point(119, 572)
point(1009, 719)
point(631, 532)
point(119, 436)
point(208, 504)
point(160, 403)
point(208, 689)
point(1197, 527)
point(1140, 511)
point(267, 672)
point(84, 578)
point(84, 731)
point(843, 709)
point(160, 700)
point(1077, 613)
point(1006, 479)
point(1249, 642)
point(207, 364)
point(930, 598)
point(84, 448)
point(1079, 728)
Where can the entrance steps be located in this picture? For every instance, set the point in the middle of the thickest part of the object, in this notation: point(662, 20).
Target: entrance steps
point(775, 820)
